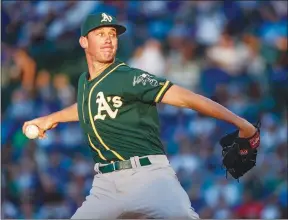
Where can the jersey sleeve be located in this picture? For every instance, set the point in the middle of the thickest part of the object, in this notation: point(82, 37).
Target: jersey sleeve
point(141, 85)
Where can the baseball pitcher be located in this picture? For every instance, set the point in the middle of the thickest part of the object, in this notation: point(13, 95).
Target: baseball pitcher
point(116, 108)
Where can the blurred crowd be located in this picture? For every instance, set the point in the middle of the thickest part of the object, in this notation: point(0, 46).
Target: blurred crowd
point(232, 52)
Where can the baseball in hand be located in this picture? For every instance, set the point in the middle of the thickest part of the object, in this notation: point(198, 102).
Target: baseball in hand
point(32, 131)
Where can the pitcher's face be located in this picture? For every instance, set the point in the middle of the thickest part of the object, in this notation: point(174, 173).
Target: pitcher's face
point(102, 44)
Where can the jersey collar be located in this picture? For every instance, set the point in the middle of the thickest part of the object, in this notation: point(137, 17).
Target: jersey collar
point(115, 63)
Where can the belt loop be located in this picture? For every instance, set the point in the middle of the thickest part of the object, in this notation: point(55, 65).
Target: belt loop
point(137, 162)
point(96, 168)
point(133, 163)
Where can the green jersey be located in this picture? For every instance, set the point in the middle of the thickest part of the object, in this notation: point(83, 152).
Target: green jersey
point(118, 114)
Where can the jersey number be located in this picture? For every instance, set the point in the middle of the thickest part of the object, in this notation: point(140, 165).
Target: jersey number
point(103, 106)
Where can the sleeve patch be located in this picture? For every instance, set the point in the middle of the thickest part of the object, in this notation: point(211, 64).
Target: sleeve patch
point(145, 79)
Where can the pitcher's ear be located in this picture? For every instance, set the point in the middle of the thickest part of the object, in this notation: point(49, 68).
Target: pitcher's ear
point(83, 42)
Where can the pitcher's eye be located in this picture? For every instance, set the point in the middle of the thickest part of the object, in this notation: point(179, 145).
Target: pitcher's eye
point(113, 34)
point(101, 34)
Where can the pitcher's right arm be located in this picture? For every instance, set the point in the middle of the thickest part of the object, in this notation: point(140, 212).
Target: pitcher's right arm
point(48, 122)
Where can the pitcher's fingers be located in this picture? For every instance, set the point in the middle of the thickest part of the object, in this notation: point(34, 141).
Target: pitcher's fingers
point(41, 132)
point(43, 136)
point(26, 124)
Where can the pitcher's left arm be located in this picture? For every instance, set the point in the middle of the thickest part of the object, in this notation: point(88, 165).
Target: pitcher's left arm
point(181, 97)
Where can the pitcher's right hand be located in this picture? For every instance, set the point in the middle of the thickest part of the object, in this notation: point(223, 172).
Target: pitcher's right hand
point(43, 123)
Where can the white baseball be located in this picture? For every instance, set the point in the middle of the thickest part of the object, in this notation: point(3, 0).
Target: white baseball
point(32, 131)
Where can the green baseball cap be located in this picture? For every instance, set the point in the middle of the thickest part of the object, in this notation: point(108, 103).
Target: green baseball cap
point(94, 21)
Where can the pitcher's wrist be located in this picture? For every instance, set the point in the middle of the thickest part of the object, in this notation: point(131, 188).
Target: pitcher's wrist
point(54, 118)
point(240, 123)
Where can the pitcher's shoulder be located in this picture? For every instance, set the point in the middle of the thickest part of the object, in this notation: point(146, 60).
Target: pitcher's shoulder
point(126, 69)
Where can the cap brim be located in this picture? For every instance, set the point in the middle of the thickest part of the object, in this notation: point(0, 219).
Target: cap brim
point(119, 28)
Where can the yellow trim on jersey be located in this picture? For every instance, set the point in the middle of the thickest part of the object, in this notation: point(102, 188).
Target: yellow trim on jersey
point(95, 148)
point(91, 118)
point(92, 145)
point(83, 104)
point(160, 93)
